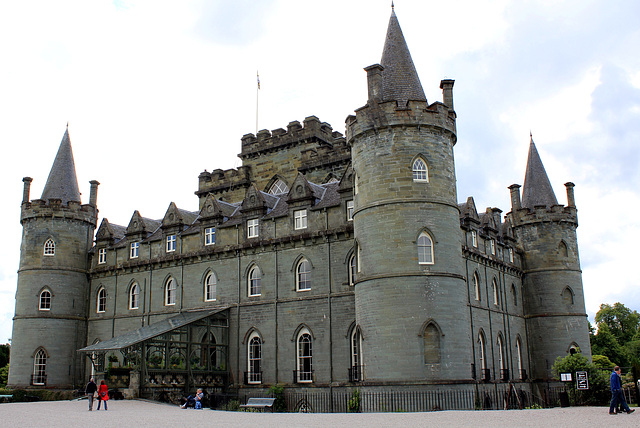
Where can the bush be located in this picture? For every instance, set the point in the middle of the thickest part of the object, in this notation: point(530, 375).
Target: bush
point(20, 395)
point(598, 393)
point(279, 405)
point(4, 375)
point(353, 405)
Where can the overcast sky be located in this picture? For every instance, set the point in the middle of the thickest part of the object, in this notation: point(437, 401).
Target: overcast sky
point(155, 92)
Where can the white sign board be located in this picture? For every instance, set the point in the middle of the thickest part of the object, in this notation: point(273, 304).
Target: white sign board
point(582, 380)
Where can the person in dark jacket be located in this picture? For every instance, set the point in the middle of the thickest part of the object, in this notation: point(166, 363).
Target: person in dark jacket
point(90, 391)
point(616, 393)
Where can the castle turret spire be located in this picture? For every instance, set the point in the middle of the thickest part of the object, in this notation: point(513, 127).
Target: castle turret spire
point(63, 182)
point(537, 189)
point(400, 80)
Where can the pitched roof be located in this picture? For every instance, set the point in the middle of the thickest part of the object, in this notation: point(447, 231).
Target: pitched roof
point(400, 80)
point(537, 189)
point(63, 182)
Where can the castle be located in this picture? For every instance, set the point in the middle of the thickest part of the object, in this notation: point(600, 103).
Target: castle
point(324, 261)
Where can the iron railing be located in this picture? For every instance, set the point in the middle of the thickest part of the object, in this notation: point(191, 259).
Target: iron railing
point(504, 375)
point(300, 376)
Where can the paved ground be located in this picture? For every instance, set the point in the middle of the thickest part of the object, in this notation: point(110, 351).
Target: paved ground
point(130, 413)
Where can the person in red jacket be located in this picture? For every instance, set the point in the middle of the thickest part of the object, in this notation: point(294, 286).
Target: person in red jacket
point(103, 394)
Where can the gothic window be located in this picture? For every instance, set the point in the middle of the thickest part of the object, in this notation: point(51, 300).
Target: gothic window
point(102, 300)
point(49, 247)
point(210, 285)
point(278, 188)
point(45, 300)
point(356, 356)
point(102, 256)
point(474, 238)
point(501, 361)
point(496, 291)
point(352, 269)
point(39, 368)
point(134, 296)
point(431, 342)
point(420, 172)
point(519, 356)
point(563, 250)
point(304, 348)
point(567, 296)
point(483, 351)
point(255, 282)
point(134, 250)
point(425, 249)
point(171, 243)
point(254, 371)
point(303, 275)
point(350, 210)
point(300, 219)
point(476, 286)
point(210, 236)
point(170, 292)
point(514, 294)
point(252, 228)
point(510, 255)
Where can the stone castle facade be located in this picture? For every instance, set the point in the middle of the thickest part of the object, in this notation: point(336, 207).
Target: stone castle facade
point(324, 261)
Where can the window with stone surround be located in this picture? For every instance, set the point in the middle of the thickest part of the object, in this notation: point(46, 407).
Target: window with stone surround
point(431, 343)
point(474, 238)
point(352, 269)
point(45, 300)
point(101, 303)
point(496, 292)
point(305, 356)
point(102, 256)
point(170, 292)
point(210, 287)
point(210, 236)
point(254, 358)
point(253, 228)
point(476, 286)
point(255, 282)
point(350, 210)
point(420, 171)
point(300, 219)
point(134, 250)
point(49, 248)
point(278, 188)
point(134, 296)
point(303, 275)
point(39, 376)
point(171, 243)
point(425, 249)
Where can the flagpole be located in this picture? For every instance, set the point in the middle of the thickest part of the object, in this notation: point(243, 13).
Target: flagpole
point(257, 99)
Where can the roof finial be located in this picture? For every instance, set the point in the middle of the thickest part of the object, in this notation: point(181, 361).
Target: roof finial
point(392, 5)
point(530, 135)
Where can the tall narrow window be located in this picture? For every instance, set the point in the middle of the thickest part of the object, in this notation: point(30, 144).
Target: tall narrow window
point(102, 300)
point(352, 269)
point(514, 294)
point(134, 296)
point(209, 351)
point(567, 296)
point(45, 300)
point(300, 219)
point(134, 250)
point(303, 275)
point(252, 228)
point(171, 243)
point(210, 284)
point(495, 289)
point(350, 210)
point(483, 353)
point(254, 374)
point(39, 368)
point(255, 282)
point(492, 246)
point(563, 250)
point(49, 248)
point(170, 292)
point(431, 342)
point(501, 361)
point(510, 255)
point(355, 373)
point(425, 249)
point(305, 368)
point(210, 236)
point(102, 256)
point(519, 356)
point(476, 286)
point(420, 172)
point(474, 238)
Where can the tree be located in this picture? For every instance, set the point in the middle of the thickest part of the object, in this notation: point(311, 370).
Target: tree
point(598, 392)
point(5, 350)
point(623, 323)
point(605, 343)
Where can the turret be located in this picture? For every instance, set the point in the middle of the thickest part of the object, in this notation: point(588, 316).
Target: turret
point(552, 283)
point(408, 297)
point(51, 298)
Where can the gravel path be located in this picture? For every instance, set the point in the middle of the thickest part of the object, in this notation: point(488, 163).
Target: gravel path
point(138, 413)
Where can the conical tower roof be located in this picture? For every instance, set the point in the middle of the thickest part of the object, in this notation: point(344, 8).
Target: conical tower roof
point(400, 80)
point(63, 182)
point(537, 189)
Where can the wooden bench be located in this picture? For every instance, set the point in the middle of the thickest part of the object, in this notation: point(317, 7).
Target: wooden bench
point(6, 398)
point(260, 403)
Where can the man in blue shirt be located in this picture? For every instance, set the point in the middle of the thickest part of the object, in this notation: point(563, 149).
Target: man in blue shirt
point(616, 393)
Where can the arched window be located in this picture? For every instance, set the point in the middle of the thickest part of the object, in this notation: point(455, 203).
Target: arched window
point(101, 305)
point(254, 371)
point(567, 296)
point(304, 348)
point(431, 341)
point(39, 368)
point(210, 285)
point(563, 250)
point(278, 188)
point(45, 300)
point(134, 296)
point(255, 282)
point(352, 269)
point(303, 275)
point(425, 249)
point(49, 247)
point(482, 349)
point(170, 292)
point(476, 286)
point(521, 373)
point(496, 291)
point(420, 172)
point(501, 359)
point(355, 372)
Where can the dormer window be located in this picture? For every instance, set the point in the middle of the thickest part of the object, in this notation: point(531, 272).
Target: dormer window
point(49, 248)
point(252, 228)
point(102, 256)
point(300, 219)
point(474, 238)
point(171, 243)
point(134, 250)
point(210, 236)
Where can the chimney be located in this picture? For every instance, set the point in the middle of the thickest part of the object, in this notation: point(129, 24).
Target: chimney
point(571, 201)
point(447, 92)
point(515, 197)
point(374, 82)
point(93, 194)
point(27, 189)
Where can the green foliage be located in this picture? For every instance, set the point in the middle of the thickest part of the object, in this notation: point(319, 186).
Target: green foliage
point(622, 322)
point(20, 395)
point(5, 351)
point(4, 375)
point(618, 335)
point(231, 406)
point(602, 362)
point(277, 391)
point(353, 405)
point(598, 393)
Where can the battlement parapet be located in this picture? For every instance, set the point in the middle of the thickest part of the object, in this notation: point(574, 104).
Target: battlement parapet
point(55, 208)
point(542, 214)
point(278, 139)
point(220, 180)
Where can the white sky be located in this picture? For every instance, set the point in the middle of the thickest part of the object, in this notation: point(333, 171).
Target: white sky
point(155, 92)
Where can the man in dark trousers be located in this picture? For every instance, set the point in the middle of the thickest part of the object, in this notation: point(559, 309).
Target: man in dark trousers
point(616, 393)
point(90, 390)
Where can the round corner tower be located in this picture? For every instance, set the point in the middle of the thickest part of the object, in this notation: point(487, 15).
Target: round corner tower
point(553, 293)
point(51, 298)
point(411, 290)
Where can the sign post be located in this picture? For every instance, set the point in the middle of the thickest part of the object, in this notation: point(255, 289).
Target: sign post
point(582, 380)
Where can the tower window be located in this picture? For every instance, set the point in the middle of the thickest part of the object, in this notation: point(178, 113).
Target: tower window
point(39, 368)
point(420, 172)
point(510, 255)
point(49, 248)
point(303, 276)
point(45, 300)
point(352, 269)
point(425, 249)
point(350, 210)
point(102, 300)
point(210, 236)
point(476, 286)
point(134, 250)
point(170, 293)
point(300, 218)
point(255, 282)
point(492, 246)
point(474, 238)
point(494, 287)
point(102, 256)
point(567, 296)
point(171, 243)
point(431, 342)
point(210, 287)
point(134, 296)
point(253, 228)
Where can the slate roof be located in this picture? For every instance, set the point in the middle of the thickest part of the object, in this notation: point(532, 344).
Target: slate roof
point(400, 80)
point(62, 182)
point(537, 189)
